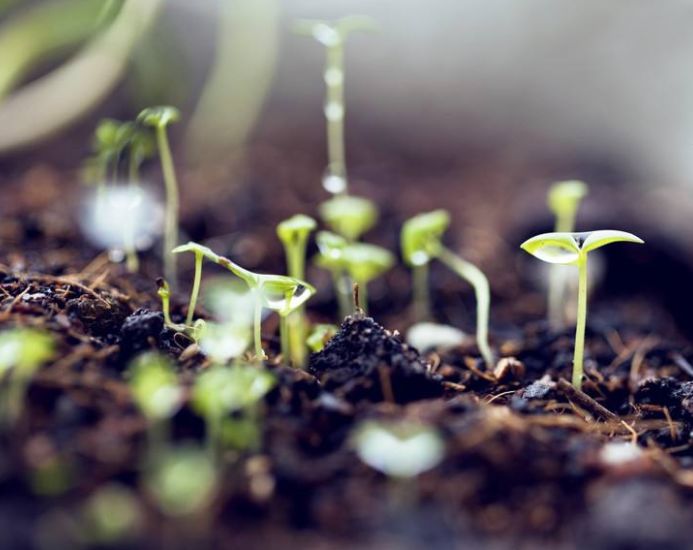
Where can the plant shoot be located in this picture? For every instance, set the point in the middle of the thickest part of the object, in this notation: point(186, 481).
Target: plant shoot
point(573, 249)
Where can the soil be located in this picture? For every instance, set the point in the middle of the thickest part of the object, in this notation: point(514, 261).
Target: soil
point(529, 462)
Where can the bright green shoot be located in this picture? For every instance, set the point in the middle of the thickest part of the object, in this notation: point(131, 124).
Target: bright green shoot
point(159, 118)
point(573, 249)
point(333, 35)
point(365, 262)
point(276, 292)
point(331, 247)
point(164, 292)
point(563, 199)
point(294, 233)
point(421, 242)
point(22, 352)
point(349, 216)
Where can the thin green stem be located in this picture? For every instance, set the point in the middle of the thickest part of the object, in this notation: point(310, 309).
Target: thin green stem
point(257, 326)
point(479, 282)
point(284, 337)
point(343, 296)
point(578, 357)
point(422, 299)
point(195, 289)
point(294, 325)
point(172, 205)
point(334, 111)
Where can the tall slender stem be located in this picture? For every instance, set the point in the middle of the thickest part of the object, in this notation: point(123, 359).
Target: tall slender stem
point(479, 282)
point(195, 289)
point(422, 300)
point(334, 111)
point(284, 337)
point(172, 205)
point(257, 326)
point(578, 357)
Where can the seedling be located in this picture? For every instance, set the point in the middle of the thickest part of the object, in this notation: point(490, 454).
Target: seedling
point(421, 242)
point(294, 234)
point(349, 216)
point(573, 249)
point(156, 392)
point(331, 247)
point(563, 199)
point(399, 449)
point(22, 352)
point(320, 335)
point(159, 118)
point(332, 35)
point(365, 262)
point(275, 292)
point(164, 292)
point(220, 391)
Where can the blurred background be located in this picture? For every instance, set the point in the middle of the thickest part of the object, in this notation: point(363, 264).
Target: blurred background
point(476, 105)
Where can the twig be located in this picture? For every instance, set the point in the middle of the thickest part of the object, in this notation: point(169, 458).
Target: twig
point(585, 401)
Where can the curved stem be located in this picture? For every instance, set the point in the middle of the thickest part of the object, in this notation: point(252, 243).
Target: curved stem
point(578, 356)
point(475, 277)
point(422, 299)
point(172, 205)
point(195, 289)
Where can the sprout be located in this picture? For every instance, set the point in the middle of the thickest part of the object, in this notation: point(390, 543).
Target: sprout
point(183, 481)
point(572, 249)
point(156, 393)
point(563, 199)
point(275, 292)
point(164, 292)
point(159, 118)
point(331, 248)
point(220, 391)
point(294, 234)
point(320, 335)
point(400, 450)
point(349, 216)
point(365, 262)
point(421, 242)
point(332, 35)
point(22, 352)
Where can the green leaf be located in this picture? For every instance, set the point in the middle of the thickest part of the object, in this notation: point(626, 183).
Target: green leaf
point(331, 247)
point(222, 390)
point(554, 248)
point(296, 228)
point(365, 262)
point(349, 216)
point(597, 239)
point(160, 116)
point(25, 349)
point(565, 196)
point(421, 235)
point(284, 294)
point(222, 342)
point(319, 336)
point(154, 386)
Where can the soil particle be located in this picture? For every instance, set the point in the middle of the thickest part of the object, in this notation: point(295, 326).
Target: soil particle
point(138, 328)
point(364, 362)
point(100, 318)
point(668, 392)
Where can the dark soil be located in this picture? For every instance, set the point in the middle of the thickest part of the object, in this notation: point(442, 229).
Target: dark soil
point(527, 464)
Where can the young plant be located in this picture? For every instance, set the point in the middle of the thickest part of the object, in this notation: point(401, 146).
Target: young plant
point(22, 352)
point(421, 242)
point(220, 391)
point(573, 249)
point(399, 449)
point(349, 216)
point(320, 335)
point(276, 292)
point(365, 262)
point(159, 118)
point(563, 199)
point(331, 250)
point(333, 35)
point(294, 233)
point(157, 393)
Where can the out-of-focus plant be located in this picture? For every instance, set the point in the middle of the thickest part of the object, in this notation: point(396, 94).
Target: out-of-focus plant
point(157, 393)
point(573, 249)
point(330, 257)
point(294, 233)
point(111, 515)
point(349, 216)
point(22, 352)
point(421, 241)
point(332, 35)
point(320, 335)
point(220, 391)
point(276, 292)
point(365, 262)
point(563, 199)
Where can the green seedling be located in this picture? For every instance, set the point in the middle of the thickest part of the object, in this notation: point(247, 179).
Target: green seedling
point(220, 391)
point(320, 335)
point(22, 352)
point(157, 393)
point(421, 242)
point(276, 292)
point(294, 234)
point(349, 216)
point(563, 199)
point(400, 449)
point(164, 292)
point(159, 118)
point(333, 35)
point(183, 482)
point(573, 249)
point(365, 262)
point(330, 257)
